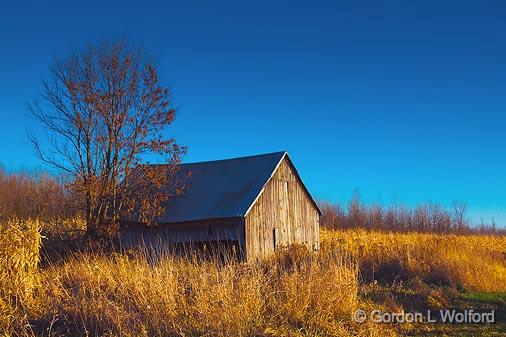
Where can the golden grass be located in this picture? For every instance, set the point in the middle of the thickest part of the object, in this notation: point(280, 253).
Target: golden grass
point(19, 276)
point(294, 293)
point(100, 295)
point(472, 262)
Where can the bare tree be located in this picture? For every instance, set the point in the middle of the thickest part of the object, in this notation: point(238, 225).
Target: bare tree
point(459, 216)
point(104, 110)
point(330, 215)
point(355, 211)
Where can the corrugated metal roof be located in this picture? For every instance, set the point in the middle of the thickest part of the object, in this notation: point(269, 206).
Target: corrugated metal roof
point(222, 188)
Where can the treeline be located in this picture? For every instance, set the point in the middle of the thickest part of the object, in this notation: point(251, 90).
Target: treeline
point(429, 217)
point(26, 195)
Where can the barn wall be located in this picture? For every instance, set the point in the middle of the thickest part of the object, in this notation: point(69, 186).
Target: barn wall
point(163, 237)
point(285, 207)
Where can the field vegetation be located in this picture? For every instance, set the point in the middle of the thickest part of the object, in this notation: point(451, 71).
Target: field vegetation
point(294, 293)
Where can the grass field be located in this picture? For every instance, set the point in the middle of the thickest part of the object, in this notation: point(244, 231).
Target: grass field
point(294, 293)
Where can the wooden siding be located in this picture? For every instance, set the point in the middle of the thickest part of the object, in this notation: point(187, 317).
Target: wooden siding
point(164, 236)
point(284, 208)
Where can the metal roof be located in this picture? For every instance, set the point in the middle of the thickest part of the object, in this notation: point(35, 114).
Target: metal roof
point(223, 188)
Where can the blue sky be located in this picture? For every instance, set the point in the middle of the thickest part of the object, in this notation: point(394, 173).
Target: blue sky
point(404, 100)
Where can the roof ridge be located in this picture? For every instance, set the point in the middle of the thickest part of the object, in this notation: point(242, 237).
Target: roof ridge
point(237, 158)
point(223, 160)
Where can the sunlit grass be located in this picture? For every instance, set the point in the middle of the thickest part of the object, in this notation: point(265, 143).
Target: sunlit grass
point(473, 262)
point(294, 293)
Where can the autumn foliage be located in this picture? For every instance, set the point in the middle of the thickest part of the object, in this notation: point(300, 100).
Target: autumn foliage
point(105, 111)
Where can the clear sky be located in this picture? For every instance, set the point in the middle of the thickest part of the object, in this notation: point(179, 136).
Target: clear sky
point(404, 100)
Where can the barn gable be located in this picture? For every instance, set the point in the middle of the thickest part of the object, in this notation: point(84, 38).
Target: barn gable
point(283, 214)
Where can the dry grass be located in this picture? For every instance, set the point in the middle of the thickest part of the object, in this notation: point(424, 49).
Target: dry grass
point(305, 296)
point(472, 262)
point(19, 276)
point(295, 293)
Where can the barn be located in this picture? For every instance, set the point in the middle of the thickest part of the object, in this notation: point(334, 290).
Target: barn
point(255, 204)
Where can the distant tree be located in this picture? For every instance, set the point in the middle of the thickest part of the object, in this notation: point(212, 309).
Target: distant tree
point(356, 211)
point(376, 217)
point(26, 195)
point(329, 216)
point(459, 216)
point(104, 110)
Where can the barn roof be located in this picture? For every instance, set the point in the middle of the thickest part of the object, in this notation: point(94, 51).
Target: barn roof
point(224, 188)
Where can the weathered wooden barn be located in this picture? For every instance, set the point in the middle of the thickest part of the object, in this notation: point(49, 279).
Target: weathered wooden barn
point(256, 203)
